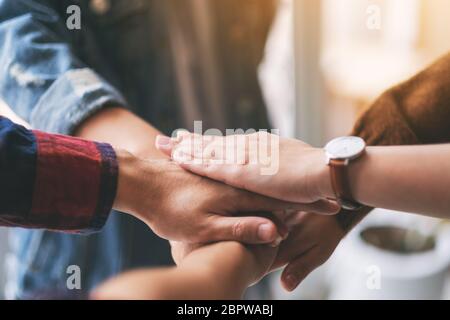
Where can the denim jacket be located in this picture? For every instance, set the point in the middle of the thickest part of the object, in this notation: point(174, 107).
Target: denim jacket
point(123, 55)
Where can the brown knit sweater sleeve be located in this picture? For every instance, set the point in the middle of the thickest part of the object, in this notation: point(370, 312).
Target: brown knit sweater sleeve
point(414, 112)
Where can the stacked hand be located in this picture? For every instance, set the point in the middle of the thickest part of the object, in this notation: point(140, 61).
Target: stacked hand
point(221, 270)
point(178, 205)
point(182, 206)
point(302, 177)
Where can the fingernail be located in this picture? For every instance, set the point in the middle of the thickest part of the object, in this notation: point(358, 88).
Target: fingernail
point(285, 234)
point(291, 282)
point(162, 140)
point(336, 207)
point(277, 242)
point(181, 134)
point(265, 232)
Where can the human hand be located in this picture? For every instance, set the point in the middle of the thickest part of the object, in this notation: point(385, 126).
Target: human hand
point(301, 176)
point(260, 258)
point(221, 270)
point(178, 205)
point(312, 240)
point(180, 250)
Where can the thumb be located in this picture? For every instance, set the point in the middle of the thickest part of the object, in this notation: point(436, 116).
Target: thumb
point(249, 202)
point(250, 230)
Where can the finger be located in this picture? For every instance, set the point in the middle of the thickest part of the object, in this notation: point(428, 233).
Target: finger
point(250, 230)
point(238, 177)
point(298, 243)
point(165, 144)
point(230, 174)
point(324, 207)
point(298, 269)
point(181, 134)
point(252, 202)
point(277, 217)
point(216, 149)
point(194, 148)
point(244, 201)
point(232, 149)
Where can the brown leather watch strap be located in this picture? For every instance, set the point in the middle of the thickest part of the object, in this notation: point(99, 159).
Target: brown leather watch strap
point(341, 185)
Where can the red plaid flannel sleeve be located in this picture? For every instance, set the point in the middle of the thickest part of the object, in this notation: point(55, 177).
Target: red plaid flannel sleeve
point(54, 182)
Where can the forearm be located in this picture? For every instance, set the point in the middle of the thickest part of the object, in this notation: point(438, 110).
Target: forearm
point(128, 165)
point(412, 179)
point(122, 129)
point(414, 112)
point(230, 268)
point(104, 127)
point(50, 179)
point(217, 271)
point(125, 131)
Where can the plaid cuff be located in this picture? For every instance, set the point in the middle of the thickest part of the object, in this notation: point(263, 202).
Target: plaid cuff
point(108, 186)
point(75, 184)
point(53, 181)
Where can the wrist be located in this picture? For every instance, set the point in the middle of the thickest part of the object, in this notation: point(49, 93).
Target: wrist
point(243, 272)
point(142, 186)
point(321, 184)
point(227, 266)
point(359, 174)
point(127, 180)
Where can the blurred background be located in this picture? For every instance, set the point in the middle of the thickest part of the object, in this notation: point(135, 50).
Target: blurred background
point(325, 62)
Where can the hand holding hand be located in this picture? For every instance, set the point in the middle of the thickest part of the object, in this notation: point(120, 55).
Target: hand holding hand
point(262, 257)
point(302, 174)
point(178, 205)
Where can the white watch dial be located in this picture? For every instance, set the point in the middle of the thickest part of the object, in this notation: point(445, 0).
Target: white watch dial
point(345, 147)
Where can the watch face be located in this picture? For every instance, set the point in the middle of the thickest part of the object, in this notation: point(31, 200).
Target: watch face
point(345, 147)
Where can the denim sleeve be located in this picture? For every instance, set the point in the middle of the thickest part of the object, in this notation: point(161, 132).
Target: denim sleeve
point(41, 79)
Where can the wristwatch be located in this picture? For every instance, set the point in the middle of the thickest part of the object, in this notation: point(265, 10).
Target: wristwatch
point(340, 152)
